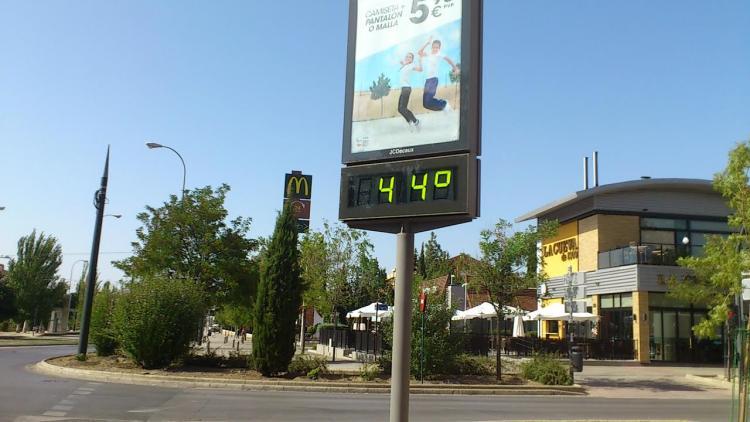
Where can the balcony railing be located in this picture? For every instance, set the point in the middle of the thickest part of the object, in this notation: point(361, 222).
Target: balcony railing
point(643, 253)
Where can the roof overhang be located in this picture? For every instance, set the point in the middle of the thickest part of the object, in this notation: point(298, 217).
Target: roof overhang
point(692, 185)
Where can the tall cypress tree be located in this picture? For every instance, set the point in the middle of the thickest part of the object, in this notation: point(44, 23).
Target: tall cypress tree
point(279, 299)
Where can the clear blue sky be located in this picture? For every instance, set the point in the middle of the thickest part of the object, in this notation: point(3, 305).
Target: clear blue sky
point(247, 91)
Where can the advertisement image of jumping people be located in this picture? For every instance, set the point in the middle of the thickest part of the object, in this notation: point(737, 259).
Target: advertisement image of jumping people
point(393, 109)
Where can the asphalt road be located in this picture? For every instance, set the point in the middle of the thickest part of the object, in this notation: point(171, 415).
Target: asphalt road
point(26, 396)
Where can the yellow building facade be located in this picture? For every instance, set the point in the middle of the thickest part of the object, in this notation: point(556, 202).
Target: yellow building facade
point(622, 242)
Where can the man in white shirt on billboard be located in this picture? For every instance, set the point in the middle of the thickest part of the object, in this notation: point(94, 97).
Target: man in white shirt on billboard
point(431, 64)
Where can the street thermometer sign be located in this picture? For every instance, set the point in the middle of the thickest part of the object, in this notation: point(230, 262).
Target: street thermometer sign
point(411, 138)
point(412, 114)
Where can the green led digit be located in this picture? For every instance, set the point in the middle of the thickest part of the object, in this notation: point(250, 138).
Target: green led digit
point(422, 187)
point(447, 182)
point(387, 189)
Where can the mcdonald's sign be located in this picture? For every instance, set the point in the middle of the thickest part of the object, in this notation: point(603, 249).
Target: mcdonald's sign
point(297, 185)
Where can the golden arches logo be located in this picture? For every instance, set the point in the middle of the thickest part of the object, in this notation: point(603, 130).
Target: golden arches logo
point(297, 181)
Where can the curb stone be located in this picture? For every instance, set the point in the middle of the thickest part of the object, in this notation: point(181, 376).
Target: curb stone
point(177, 381)
point(712, 380)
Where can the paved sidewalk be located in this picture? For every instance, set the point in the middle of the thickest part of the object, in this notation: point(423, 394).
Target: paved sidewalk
point(650, 381)
point(225, 342)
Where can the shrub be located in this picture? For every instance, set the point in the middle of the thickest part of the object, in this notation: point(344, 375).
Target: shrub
point(474, 365)
point(546, 369)
point(157, 318)
point(305, 364)
point(314, 373)
point(103, 334)
point(7, 325)
point(369, 372)
point(385, 362)
point(214, 361)
point(441, 345)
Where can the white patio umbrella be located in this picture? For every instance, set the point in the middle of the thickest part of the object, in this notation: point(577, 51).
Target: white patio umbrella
point(373, 310)
point(518, 330)
point(556, 312)
point(485, 310)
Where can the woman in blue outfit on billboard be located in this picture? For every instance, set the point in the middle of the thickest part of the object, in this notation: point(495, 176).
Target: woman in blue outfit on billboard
point(431, 63)
point(407, 68)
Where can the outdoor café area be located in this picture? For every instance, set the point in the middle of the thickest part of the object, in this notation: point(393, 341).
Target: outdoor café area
point(519, 332)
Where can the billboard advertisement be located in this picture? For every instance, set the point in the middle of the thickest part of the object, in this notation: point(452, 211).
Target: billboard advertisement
point(409, 62)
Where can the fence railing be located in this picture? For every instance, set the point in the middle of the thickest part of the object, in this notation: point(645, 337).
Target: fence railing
point(341, 337)
point(479, 344)
point(643, 253)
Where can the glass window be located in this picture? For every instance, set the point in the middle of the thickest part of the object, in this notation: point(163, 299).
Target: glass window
point(607, 301)
point(662, 300)
point(697, 239)
point(670, 334)
point(657, 338)
point(626, 300)
point(683, 322)
point(659, 237)
point(663, 223)
point(714, 226)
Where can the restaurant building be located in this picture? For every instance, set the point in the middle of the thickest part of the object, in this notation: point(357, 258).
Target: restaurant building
point(622, 242)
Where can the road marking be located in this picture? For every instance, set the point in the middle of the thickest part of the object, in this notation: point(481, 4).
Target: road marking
point(61, 407)
point(66, 401)
point(81, 393)
point(52, 413)
point(152, 410)
point(85, 389)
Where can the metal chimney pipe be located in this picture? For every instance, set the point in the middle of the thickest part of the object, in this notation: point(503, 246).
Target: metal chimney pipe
point(596, 168)
point(585, 173)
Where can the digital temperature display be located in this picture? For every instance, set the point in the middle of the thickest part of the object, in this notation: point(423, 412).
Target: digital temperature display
point(411, 188)
point(403, 187)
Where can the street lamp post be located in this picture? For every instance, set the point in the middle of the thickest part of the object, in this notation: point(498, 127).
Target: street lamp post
point(99, 203)
point(571, 292)
point(154, 145)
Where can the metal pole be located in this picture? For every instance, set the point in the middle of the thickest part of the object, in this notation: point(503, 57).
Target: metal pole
point(402, 326)
point(184, 168)
point(421, 357)
point(302, 331)
point(570, 293)
point(99, 202)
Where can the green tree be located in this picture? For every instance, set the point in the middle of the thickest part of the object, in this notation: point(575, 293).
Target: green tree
point(103, 334)
point(314, 270)
point(8, 307)
point(237, 309)
point(33, 276)
point(380, 89)
point(715, 277)
point(190, 238)
point(508, 266)
point(369, 279)
point(436, 260)
point(279, 299)
point(339, 270)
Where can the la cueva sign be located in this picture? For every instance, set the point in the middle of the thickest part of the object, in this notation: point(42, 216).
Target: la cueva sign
point(567, 249)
